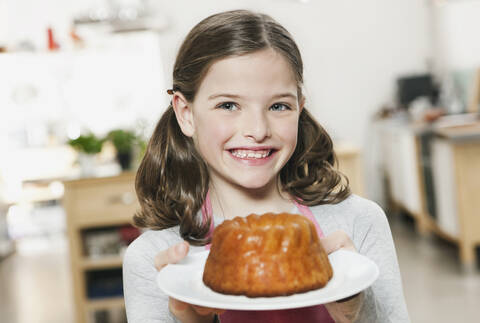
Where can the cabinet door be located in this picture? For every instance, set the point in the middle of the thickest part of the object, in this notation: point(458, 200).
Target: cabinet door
point(444, 186)
point(407, 155)
point(401, 166)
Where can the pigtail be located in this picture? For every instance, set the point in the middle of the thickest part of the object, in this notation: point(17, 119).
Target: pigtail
point(310, 175)
point(172, 182)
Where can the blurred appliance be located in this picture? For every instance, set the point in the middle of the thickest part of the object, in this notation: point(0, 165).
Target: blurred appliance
point(410, 88)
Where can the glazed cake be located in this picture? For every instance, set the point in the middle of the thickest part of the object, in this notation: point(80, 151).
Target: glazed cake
point(266, 255)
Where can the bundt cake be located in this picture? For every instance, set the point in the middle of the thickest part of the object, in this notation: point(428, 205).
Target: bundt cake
point(266, 255)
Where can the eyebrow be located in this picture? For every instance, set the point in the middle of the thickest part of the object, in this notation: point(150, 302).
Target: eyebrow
point(235, 96)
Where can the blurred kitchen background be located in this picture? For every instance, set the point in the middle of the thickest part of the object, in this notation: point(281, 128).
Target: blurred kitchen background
point(82, 84)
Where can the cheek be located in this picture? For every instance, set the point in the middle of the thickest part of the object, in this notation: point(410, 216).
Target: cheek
point(212, 134)
point(288, 131)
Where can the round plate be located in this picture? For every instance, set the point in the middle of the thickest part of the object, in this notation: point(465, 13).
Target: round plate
point(352, 273)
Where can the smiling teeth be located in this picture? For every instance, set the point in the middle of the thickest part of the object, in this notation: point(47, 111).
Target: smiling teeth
point(250, 153)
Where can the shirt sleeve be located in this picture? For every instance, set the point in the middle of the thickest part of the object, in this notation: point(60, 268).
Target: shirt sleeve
point(384, 300)
point(144, 301)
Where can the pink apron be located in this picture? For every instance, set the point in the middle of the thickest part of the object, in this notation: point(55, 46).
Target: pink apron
point(317, 313)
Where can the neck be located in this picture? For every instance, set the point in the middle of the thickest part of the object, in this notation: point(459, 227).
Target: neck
point(231, 201)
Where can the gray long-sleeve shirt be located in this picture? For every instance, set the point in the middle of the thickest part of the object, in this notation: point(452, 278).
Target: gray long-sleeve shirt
point(363, 221)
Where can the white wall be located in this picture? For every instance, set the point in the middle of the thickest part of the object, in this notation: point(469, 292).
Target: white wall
point(456, 26)
point(352, 50)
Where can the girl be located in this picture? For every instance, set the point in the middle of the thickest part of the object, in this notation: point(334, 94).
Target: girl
point(236, 140)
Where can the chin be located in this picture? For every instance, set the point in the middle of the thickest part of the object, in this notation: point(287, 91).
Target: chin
point(254, 182)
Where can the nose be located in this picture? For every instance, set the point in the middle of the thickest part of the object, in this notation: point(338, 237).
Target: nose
point(256, 125)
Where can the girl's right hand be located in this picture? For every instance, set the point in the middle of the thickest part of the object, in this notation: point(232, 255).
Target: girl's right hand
point(186, 313)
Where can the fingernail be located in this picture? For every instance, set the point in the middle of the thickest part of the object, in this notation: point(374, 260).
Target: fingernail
point(180, 248)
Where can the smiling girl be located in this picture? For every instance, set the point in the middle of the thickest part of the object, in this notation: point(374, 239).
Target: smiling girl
point(237, 139)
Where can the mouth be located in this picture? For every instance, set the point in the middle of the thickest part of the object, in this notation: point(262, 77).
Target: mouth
point(252, 154)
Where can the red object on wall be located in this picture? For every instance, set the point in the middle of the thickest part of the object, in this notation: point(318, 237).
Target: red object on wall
point(52, 44)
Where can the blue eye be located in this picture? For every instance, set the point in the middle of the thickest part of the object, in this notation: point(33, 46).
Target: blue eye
point(229, 106)
point(280, 107)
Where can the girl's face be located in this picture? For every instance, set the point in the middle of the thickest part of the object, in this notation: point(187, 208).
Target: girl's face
point(244, 119)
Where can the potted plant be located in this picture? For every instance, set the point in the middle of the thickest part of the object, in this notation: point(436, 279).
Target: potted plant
point(87, 146)
point(124, 142)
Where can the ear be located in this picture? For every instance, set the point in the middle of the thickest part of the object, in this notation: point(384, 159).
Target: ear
point(301, 104)
point(183, 113)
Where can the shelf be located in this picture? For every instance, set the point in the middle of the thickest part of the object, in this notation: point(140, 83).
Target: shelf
point(119, 220)
point(105, 303)
point(106, 262)
point(96, 204)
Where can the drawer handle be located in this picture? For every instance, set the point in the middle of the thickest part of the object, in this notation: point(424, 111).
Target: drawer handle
point(126, 198)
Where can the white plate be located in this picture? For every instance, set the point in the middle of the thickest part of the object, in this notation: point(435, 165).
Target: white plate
point(352, 273)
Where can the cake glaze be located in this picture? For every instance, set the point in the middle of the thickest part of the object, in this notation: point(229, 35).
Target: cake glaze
point(266, 255)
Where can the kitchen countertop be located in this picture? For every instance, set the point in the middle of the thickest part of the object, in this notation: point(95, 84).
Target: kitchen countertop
point(460, 133)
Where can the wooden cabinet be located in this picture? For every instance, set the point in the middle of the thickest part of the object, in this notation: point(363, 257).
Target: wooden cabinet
point(437, 181)
point(94, 204)
point(350, 164)
point(464, 146)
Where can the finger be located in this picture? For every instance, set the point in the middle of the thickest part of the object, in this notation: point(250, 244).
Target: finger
point(171, 255)
point(337, 240)
point(346, 310)
point(331, 242)
point(176, 306)
point(207, 310)
point(203, 310)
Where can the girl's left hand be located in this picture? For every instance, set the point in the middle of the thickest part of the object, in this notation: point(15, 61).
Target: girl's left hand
point(346, 310)
point(337, 240)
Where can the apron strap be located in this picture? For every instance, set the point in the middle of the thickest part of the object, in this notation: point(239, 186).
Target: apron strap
point(305, 210)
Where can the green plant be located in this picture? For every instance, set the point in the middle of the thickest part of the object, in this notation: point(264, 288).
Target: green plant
point(89, 143)
point(142, 148)
point(123, 140)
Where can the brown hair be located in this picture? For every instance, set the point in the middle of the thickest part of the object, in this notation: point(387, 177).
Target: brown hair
point(172, 180)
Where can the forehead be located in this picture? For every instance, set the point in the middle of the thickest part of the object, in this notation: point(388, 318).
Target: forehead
point(258, 74)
